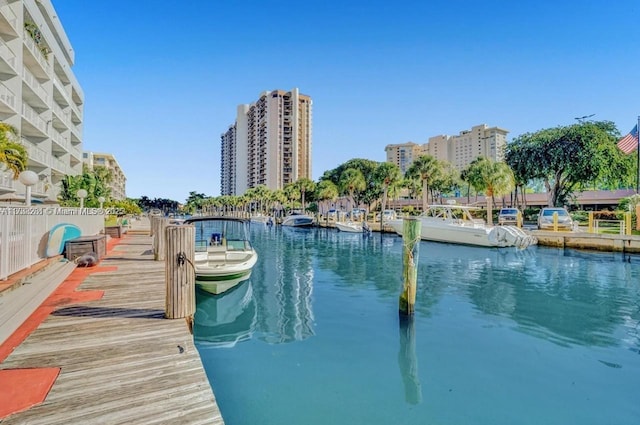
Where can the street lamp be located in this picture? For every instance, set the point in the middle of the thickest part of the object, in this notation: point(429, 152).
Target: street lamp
point(81, 194)
point(28, 178)
point(101, 200)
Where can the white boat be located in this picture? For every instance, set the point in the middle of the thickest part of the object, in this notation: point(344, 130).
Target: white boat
point(352, 227)
point(261, 219)
point(224, 256)
point(298, 220)
point(455, 224)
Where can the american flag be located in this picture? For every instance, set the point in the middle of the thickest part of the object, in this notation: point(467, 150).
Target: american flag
point(629, 143)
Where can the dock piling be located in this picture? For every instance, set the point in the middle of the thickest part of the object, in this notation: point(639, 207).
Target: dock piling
point(410, 240)
point(179, 272)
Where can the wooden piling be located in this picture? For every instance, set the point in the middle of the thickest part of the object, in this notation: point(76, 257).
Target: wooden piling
point(160, 239)
point(410, 241)
point(179, 272)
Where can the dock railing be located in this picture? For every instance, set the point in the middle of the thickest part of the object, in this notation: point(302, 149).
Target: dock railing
point(24, 232)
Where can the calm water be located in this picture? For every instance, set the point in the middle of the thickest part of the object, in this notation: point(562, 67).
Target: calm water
point(542, 336)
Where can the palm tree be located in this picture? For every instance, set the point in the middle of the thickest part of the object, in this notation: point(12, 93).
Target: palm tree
point(304, 185)
point(326, 190)
point(427, 169)
point(352, 181)
point(292, 193)
point(12, 154)
point(388, 174)
point(494, 178)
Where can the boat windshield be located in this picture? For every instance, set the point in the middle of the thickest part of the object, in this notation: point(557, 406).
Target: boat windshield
point(221, 232)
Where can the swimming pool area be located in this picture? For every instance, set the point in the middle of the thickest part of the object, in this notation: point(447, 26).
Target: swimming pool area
point(500, 336)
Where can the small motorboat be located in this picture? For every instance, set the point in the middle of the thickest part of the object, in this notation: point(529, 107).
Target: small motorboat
point(353, 227)
point(224, 256)
point(298, 220)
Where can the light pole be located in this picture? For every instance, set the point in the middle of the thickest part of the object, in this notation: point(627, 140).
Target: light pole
point(81, 194)
point(101, 200)
point(28, 178)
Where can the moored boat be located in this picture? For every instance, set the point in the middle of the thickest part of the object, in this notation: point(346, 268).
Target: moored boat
point(224, 256)
point(456, 224)
point(352, 227)
point(298, 220)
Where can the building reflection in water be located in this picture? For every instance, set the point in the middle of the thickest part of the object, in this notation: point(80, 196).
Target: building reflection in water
point(284, 284)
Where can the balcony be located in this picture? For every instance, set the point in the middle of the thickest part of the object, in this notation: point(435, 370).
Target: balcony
point(35, 122)
point(35, 56)
point(7, 184)
point(61, 141)
point(8, 20)
point(63, 118)
point(60, 166)
point(7, 59)
point(38, 158)
point(7, 100)
point(36, 94)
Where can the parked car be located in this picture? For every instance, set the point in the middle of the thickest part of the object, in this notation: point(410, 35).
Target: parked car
point(508, 216)
point(545, 219)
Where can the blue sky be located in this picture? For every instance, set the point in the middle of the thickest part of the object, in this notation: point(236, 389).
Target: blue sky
point(162, 79)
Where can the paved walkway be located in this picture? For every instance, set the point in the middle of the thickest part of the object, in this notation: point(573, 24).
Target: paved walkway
point(98, 350)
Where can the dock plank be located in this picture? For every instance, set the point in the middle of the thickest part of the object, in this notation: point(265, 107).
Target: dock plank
point(121, 361)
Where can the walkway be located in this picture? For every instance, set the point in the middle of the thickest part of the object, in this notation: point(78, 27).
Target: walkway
point(99, 350)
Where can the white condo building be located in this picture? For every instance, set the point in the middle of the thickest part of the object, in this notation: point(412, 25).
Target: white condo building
point(118, 184)
point(269, 143)
point(39, 96)
point(459, 150)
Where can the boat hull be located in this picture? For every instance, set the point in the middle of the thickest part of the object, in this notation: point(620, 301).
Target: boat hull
point(469, 234)
point(219, 284)
point(350, 227)
point(298, 221)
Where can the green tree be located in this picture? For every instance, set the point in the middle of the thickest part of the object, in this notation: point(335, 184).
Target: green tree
point(493, 178)
point(367, 167)
point(304, 186)
point(388, 175)
point(569, 158)
point(352, 181)
point(326, 190)
point(426, 169)
point(13, 155)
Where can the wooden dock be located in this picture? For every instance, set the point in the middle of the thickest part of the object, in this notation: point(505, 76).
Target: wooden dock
point(120, 360)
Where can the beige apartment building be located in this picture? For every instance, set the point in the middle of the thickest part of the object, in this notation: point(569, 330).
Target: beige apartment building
point(269, 143)
point(39, 96)
point(118, 184)
point(403, 154)
point(459, 150)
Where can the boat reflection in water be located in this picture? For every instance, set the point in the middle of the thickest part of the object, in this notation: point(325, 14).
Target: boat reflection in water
point(224, 320)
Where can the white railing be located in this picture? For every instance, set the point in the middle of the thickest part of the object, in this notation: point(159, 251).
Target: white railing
point(23, 229)
point(6, 182)
point(7, 54)
point(35, 51)
point(59, 165)
point(35, 85)
point(11, 17)
point(30, 114)
point(7, 96)
point(35, 153)
point(60, 139)
point(65, 116)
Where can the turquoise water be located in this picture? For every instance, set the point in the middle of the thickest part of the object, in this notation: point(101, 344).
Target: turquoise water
point(542, 336)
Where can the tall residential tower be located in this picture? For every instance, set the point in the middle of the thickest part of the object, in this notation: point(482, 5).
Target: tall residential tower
point(39, 95)
point(269, 144)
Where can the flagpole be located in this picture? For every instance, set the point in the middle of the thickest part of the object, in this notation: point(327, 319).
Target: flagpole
point(638, 157)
